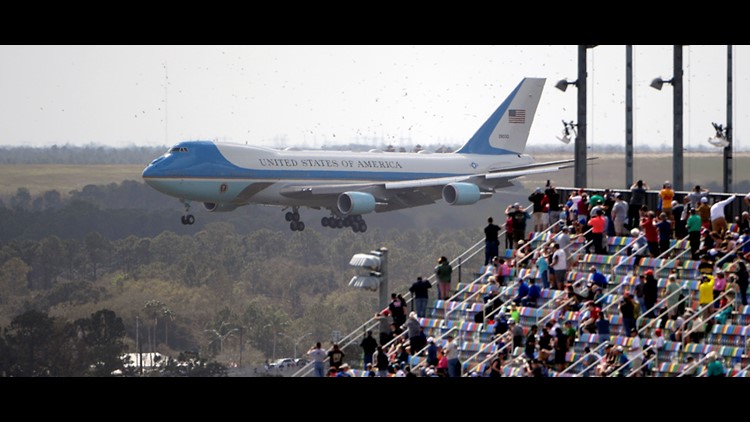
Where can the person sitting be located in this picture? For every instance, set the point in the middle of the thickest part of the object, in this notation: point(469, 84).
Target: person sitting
point(532, 297)
point(598, 278)
point(523, 291)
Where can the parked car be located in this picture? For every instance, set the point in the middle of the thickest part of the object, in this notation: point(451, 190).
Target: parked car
point(282, 363)
point(301, 362)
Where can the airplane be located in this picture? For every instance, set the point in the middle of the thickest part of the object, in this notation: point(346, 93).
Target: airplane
point(224, 176)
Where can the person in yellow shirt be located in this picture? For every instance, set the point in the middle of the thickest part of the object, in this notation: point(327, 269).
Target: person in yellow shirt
point(706, 294)
point(667, 195)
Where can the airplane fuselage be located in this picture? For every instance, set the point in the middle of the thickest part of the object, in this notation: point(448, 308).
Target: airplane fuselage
point(239, 174)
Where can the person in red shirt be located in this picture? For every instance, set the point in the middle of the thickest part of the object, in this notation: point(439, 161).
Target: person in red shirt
point(598, 225)
point(652, 234)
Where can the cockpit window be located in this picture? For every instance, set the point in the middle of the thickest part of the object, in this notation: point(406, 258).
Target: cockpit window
point(178, 149)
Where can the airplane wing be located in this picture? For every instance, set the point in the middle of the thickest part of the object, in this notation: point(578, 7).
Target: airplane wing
point(392, 196)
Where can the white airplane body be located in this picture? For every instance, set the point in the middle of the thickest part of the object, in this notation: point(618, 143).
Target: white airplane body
point(224, 176)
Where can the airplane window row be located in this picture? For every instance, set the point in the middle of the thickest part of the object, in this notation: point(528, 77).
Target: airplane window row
point(179, 149)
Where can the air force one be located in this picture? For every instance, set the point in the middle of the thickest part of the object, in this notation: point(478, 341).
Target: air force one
point(224, 176)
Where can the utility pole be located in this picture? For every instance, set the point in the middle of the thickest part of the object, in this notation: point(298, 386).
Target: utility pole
point(628, 116)
point(580, 146)
point(728, 149)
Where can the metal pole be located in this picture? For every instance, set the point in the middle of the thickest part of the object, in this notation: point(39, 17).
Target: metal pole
point(580, 147)
point(241, 346)
point(383, 287)
point(728, 149)
point(138, 345)
point(677, 147)
point(628, 116)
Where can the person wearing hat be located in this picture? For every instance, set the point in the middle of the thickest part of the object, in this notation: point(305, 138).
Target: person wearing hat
point(620, 215)
point(704, 211)
point(519, 216)
point(538, 199)
point(432, 352)
point(344, 371)
point(666, 195)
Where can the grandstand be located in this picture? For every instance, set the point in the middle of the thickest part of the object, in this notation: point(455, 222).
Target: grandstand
point(704, 334)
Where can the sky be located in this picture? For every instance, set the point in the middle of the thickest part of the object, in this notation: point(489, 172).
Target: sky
point(312, 96)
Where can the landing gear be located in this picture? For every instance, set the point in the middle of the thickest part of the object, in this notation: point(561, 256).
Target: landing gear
point(293, 218)
point(356, 223)
point(187, 219)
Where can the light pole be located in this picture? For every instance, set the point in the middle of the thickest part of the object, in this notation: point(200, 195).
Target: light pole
point(580, 147)
point(628, 116)
point(676, 82)
point(295, 342)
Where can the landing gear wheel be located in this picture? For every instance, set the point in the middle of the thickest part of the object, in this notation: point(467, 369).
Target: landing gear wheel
point(183, 220)
point(293, 226)
point(339, 223)
point(362, 227)
point(355, 227)
point(190, 219)
point(295, 216)
point(300, 226)
point(324, 222)
point(289, 216)
point(348, 221)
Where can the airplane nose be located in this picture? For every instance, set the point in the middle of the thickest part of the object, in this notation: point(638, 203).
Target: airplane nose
point(149, 172)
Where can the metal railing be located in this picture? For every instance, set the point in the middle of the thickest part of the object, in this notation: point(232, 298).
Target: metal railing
point(711, 315)
point(645, 363)
point(581, 359)
point(374, 321)
point(640, 354)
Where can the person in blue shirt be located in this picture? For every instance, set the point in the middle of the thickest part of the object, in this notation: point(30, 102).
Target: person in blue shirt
point(602, 328)
point(598, 278)
point(532, 297)
point(523, 291)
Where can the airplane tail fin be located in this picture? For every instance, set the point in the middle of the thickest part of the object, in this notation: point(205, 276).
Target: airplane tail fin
point(507, 129)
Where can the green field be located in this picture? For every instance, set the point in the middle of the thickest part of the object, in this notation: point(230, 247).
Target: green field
point(606, 171)
point(63, 178)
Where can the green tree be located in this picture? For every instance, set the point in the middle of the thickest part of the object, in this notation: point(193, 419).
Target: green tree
point(29, 335)
point(14, 276)
point(102, 333)
point(98, 252)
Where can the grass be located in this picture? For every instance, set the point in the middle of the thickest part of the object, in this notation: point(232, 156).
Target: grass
point(39, 178)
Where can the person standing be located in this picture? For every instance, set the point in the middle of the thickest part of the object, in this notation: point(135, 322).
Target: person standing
point(318, 356)
point(664, 230)
point(652, 235)
point(598, 225)
point(381, 362)
point(397, 309)
point(443, 272)
point(451, 353)
point(694, 226)
point(368, 345)
point(718, 220)
point(680, 218)
point(554, 205)
point(559, 266)
point(620, 215)
point(421, 295)
point(336, 357)
point(518, 214)
point(491, 242)
point(637, 200)
point(704, 211)
point(536, 199)
point(666, 195)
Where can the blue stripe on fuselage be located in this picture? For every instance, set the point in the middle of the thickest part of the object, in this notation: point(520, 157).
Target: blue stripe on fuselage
point(204, 160)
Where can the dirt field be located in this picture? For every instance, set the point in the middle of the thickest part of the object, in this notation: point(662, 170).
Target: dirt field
point(63, 178)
